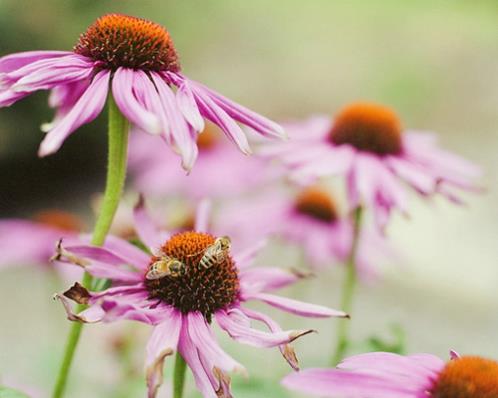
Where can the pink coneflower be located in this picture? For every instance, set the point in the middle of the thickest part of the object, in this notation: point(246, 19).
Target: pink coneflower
point(366, 144)
point(136, 59)
point(309, 218)
point(220, 171)
point(32, 242)
point(182, 305)
point(386, 375)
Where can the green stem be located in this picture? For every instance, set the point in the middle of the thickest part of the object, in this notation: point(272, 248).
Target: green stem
point(179, 376)
point(116, 174)
point(348, 291)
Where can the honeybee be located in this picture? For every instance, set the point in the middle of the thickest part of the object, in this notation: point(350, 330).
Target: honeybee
point(216, 253)
point(165, 266)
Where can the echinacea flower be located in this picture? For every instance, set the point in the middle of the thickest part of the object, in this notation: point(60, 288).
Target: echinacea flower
point(366, 145)
point(309, 218)
point(220, 170)
point(32, 242)
point(182, 304)
point(386, 375)
point(137, 61)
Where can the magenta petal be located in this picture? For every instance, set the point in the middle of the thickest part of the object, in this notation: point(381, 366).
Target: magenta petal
point(297, 307)
point(237, 325)
point(180, 131)
point(12, 62)
point(204, 339)
point(335, 383)
point(162, 343)
point(127, 99)
point(85, 110)
point(245, 116)
point(218, 116)
point(190, 354)
point(60, 71)
point(187, 105)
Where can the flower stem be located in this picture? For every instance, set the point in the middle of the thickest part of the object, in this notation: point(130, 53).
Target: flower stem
point(348, 291)
point(116, 174)
point(179, 376)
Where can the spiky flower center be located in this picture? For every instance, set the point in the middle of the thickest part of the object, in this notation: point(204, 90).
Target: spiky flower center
point(59, 219)
point(317, 204)
point(368, 127)
point(467, 377)
point(122, 41)
point(197, 288)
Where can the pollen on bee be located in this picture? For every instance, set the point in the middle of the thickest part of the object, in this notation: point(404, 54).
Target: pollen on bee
point(118, 40)
point(467, 377)
point(368, 127)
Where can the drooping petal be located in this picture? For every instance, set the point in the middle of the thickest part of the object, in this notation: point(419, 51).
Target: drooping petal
point(185, 142)
point(128, 101)
point(187, 105)
point(162, 343)
point(296, 307)
point(87, 108)
point(237, 325)
point(210, 110)
point(245, 116)
point(203, 338)
point(246, 257)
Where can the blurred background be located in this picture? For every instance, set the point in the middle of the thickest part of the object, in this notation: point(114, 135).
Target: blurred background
point(435, 62)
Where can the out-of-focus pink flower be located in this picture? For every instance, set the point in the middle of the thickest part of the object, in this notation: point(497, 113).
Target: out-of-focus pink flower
point(137, 61)
point(366, 145)
point(220, 171)
point(32, 242)
point(309, 219)
point(180, 294)
point(386, 375)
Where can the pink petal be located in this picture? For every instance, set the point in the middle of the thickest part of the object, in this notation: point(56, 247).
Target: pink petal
point(12, 62)
point(162, 343)
point(202, 337)
point(238, 328)
point(147, 230)
point(218, 116)
point(335, 382)
point(245, 116)
point(184, 140)
point(87, 108)
point(186, 104)
point(267, 279)
point(128, 101)
point(246, 257)
point(202, 216)
point(296, 307)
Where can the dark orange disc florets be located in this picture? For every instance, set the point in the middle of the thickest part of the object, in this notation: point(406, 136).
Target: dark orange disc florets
point(59, 219)
point(198, 289)
point(467, 377)
point(122, 41)
point(368, 127)
point(317, 204)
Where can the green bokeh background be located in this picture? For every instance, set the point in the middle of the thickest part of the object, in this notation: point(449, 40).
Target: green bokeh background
point(435, 62)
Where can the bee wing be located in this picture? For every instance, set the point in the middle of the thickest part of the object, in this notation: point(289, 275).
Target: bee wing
point(155, 273)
